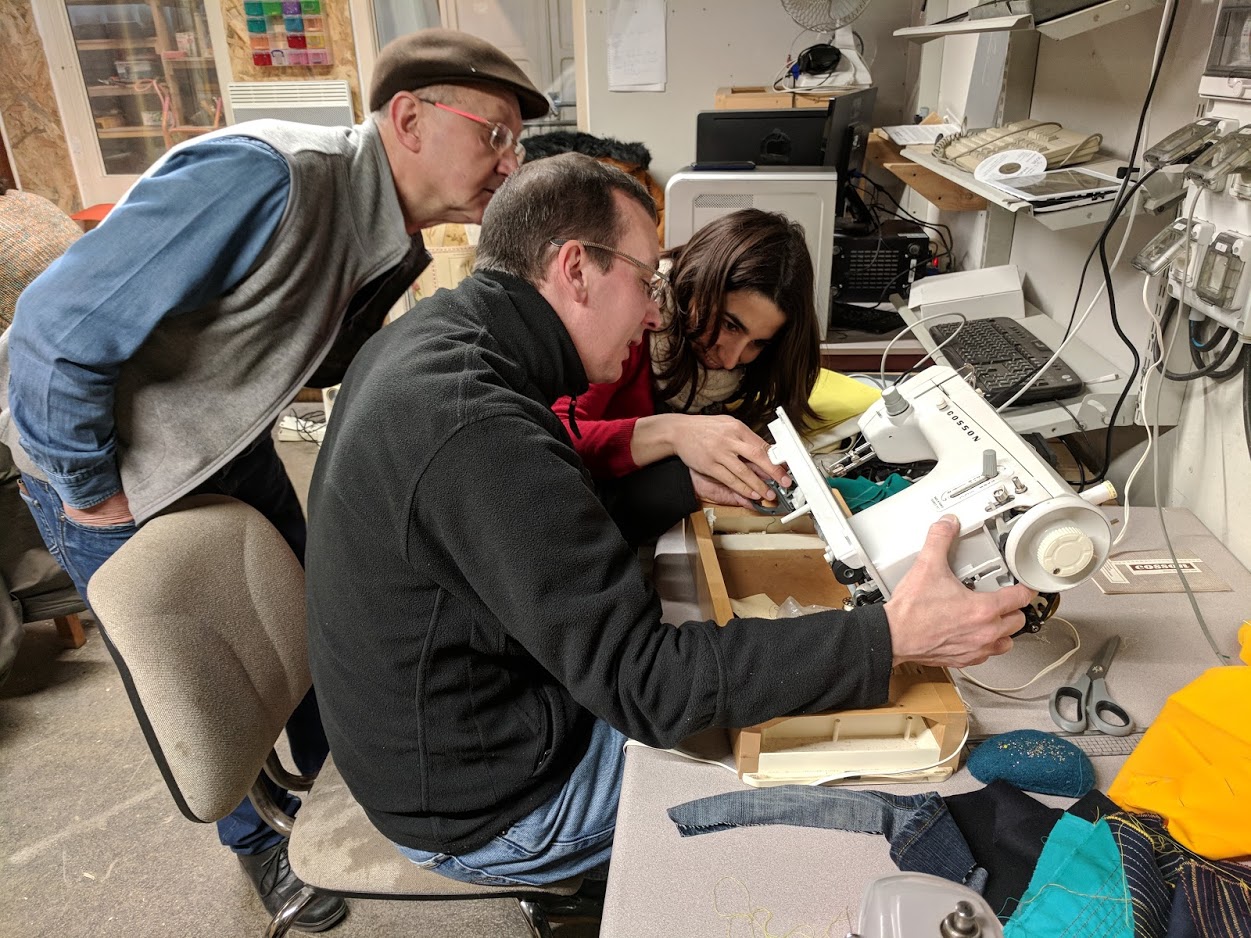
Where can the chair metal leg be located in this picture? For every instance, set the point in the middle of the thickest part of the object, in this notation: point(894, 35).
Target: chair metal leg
point(536, 918)
point(290, 912)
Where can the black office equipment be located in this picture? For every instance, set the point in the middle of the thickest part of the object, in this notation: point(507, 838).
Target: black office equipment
point(868, 268)
point(1004, 355)
point(849, 121)
point(775, 137)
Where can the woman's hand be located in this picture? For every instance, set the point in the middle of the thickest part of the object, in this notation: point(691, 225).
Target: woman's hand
point(722, 448)
point(714, 493)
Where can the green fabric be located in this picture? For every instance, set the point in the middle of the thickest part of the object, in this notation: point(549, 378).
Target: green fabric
point(861, 493)
point(1078, 888)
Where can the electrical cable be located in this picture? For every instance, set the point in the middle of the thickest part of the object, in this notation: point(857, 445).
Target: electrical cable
point(1077, 459)
point(906, 329)
point(1157, 62)
point(1210, 369)
point(1209, 343)
point(1246, 400)
point(1124, 197)
point(1153, 430)
point(1077, 644)
point(1159, 508)
point(1072, 329)
point(945, 230)
point(1235, 368)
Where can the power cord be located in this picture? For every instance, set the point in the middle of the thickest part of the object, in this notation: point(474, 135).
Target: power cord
point(904, 331)
point(1077, 644)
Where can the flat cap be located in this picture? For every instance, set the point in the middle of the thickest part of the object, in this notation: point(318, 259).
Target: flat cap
point(445, 56)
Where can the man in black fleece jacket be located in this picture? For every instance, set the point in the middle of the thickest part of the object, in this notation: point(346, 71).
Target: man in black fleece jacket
point(480, 632)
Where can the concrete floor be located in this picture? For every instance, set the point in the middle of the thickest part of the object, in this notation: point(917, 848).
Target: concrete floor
point(91, 843)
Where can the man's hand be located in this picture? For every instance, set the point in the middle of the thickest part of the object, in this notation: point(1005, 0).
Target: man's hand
point(935, 619)
point(113, 510)
point(713, 492)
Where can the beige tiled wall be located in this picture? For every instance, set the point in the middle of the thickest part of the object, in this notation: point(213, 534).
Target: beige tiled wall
point(31, 116)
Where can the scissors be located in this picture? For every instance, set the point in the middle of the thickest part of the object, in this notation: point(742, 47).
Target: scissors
point(1090, 697)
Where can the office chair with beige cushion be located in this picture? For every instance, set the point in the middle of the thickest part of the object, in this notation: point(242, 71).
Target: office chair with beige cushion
point(203, 611)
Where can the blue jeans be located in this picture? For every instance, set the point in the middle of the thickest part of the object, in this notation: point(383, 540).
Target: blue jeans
point(923, 836)
point(569, 835)
point(257, 477)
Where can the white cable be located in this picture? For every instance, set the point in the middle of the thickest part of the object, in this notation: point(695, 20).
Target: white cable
point(1153, 432)
point(1146, 126)
point(1081, 320)
point(906, 329)
point(1077, 643)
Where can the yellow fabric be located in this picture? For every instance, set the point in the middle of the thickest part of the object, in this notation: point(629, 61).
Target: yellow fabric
point(837, 397)
point(1193, 766)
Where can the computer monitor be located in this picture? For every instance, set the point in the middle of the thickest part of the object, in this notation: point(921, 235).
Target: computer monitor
point(777, 137)
point(849, 121)
point(806, 196)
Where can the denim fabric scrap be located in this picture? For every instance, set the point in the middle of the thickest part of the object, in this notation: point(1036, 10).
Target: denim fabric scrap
point(1177, 893)
point(923, 837)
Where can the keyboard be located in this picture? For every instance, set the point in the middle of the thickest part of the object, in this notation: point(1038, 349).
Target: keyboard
point(1004, 355)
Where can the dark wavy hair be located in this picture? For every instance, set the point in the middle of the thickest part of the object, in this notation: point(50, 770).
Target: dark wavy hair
point(746, 250)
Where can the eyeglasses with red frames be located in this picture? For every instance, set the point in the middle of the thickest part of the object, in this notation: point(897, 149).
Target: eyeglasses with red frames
point(501, 140)
point(657, 286)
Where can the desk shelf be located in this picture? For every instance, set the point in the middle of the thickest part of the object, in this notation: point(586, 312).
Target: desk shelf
point(1055, 220)
point(1061, 27)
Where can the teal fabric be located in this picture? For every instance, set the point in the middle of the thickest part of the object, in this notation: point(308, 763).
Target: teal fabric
point(861, 493)
point(1034, 761)
point(1078, 888)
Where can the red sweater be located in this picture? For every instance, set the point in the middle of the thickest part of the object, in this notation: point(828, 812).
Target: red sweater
point(606, 414)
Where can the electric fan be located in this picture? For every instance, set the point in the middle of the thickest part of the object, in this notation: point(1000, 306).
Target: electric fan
point(831, 16)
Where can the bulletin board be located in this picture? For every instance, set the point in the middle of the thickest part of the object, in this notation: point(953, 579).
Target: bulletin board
point(287, 32)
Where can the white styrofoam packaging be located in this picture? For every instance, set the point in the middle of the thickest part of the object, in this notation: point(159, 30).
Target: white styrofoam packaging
point(977, 294)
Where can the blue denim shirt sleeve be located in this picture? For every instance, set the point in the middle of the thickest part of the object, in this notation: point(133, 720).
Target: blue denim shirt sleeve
point(188, 233)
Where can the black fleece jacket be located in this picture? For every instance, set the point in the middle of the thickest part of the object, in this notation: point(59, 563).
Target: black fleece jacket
point(474, 603)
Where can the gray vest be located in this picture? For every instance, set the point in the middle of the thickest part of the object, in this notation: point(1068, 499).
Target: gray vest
point(208, 382)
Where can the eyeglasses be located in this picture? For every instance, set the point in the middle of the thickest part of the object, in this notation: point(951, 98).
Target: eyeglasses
point(502, 139)
point(657, 286)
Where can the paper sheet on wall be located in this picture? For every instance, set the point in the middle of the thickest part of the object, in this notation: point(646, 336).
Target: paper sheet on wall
point(636, 45)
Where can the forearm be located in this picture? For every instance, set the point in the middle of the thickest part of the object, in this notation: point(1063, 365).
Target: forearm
point(63, 411)
point(655, 438)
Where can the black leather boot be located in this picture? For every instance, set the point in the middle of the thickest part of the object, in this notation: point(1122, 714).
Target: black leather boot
point(275, 883)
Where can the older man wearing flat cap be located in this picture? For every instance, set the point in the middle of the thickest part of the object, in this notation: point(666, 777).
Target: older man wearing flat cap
point(152, 359)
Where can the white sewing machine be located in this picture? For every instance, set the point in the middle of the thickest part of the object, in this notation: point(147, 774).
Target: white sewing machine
point(1019, 521)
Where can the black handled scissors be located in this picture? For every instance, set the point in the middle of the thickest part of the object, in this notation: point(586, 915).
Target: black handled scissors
point(1094, 707)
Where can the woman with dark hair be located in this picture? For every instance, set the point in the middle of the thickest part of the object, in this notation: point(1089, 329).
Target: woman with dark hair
point(739, 340)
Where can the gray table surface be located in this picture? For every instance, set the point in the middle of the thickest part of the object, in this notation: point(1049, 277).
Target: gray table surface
point(773, 881)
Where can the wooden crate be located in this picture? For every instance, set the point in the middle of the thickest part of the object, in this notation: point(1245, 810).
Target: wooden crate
point(758, 97)
point(748, 553)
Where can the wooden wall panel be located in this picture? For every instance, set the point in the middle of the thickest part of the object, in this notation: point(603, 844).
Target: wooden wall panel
point(343, 52)
point(31, 117)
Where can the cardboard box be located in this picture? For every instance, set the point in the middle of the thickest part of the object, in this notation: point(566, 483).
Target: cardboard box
point(743, 553)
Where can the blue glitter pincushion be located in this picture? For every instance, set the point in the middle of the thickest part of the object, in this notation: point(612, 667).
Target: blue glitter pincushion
point(1034, 761)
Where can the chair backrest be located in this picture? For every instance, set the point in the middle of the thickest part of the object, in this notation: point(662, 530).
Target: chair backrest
point(203, 611)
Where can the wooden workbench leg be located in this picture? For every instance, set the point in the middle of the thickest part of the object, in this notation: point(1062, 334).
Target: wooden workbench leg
point(70, 628)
